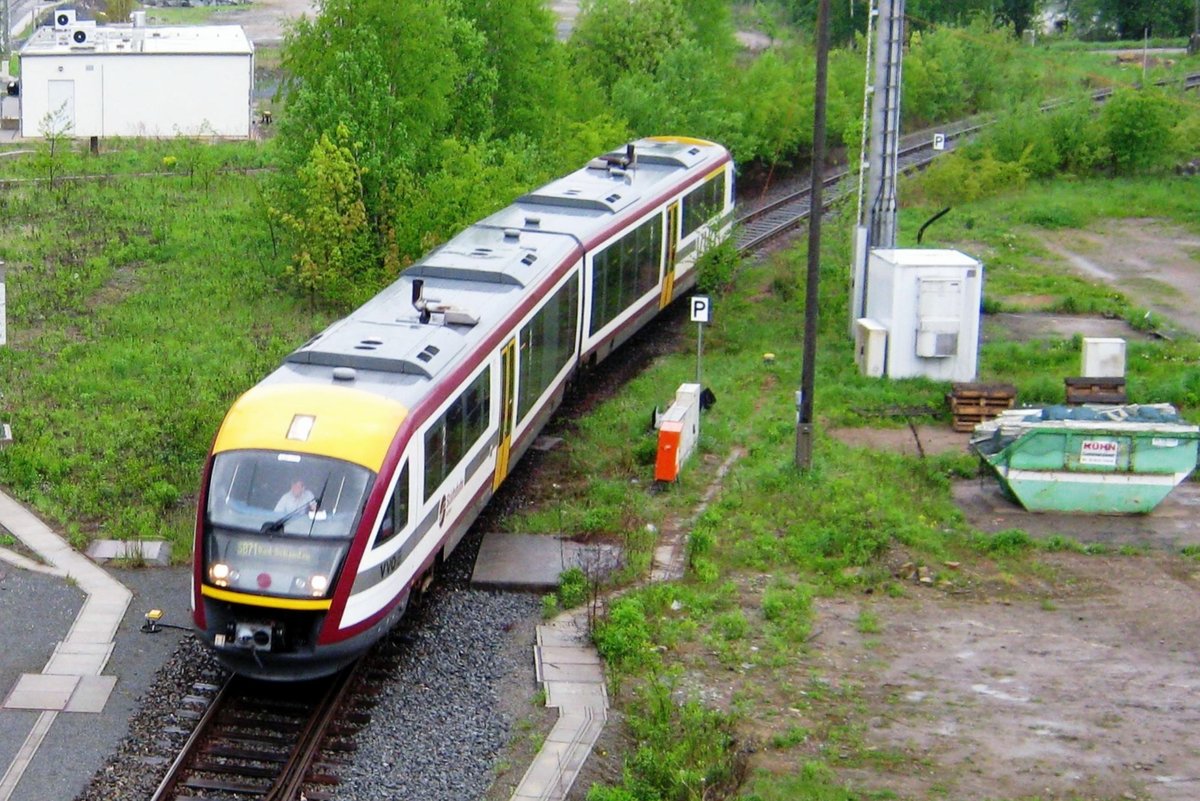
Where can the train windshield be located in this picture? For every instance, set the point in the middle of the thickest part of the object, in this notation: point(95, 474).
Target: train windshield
point(286, 494)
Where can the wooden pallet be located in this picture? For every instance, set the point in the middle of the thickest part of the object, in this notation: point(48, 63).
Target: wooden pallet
point(1085, 389)
point(972, 403)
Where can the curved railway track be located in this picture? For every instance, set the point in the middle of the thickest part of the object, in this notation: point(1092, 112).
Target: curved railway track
point(275, 742)
point(763, 224)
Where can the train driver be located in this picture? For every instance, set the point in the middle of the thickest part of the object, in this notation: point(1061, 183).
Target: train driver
point(296, 498)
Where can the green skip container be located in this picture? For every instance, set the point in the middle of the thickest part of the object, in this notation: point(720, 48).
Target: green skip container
point(1091, 459)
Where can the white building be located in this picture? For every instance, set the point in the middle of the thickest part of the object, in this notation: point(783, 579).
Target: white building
point(130, 80)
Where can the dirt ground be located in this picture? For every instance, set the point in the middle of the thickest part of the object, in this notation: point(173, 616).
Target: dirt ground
point(1154, 263)
point(264, 20)
point(1083, 688)
point(1079, 684)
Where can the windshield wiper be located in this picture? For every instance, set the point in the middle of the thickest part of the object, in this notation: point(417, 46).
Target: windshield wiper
point(277, 525)
point(320, 500)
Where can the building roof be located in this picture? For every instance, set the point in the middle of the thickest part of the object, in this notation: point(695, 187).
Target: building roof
point(122, 39)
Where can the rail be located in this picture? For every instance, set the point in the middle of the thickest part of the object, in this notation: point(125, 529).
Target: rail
point(256, 740)
point(762, 225)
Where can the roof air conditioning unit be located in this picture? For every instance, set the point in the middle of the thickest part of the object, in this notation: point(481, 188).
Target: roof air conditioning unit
point(64, 19)
point(79, 36)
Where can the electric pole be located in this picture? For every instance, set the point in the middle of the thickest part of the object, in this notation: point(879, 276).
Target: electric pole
point(804, 401)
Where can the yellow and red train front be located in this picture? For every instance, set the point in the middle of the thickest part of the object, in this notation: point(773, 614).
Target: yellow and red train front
point(293, 475)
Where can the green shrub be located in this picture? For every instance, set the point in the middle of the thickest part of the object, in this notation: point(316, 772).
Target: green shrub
point(1138, 128)
point(572, 588)
point(623, 637)
point(1008, 542)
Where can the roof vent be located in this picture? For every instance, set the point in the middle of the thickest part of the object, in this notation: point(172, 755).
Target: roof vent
point(512, 234)
point(343, 374)
point(529, 258)
point(532, 221)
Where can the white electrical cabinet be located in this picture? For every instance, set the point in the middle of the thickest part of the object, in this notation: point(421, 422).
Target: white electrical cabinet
point(870, 347)
point(81, 80)
point(928, 302)
point(1103, 357)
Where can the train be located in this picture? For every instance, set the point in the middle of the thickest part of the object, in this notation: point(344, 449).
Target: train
point(338, 484)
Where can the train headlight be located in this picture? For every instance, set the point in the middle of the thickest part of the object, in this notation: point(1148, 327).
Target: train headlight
point(319, 584)
point(220, 574)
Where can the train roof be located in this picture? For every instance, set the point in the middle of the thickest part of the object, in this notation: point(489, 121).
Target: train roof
point(482, 276)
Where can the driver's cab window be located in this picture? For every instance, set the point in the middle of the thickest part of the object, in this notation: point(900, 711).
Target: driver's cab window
point(395, 516)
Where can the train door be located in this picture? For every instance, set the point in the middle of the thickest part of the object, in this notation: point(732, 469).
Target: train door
point(668, 290)
point(508, 392)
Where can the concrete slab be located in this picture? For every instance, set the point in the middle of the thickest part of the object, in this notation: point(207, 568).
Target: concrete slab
point(546, 443)
point(91, 694)
point(534, 562)
point(1026, 326)
point(552, 773)
point(584, 729)
point(565, 655)
point(149, 552)
point(41, 691)
point(548, 671)
point(80, 659)
point(567, 631)
point(572, 696)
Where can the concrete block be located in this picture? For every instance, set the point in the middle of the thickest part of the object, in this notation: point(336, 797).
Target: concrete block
point(152, 552)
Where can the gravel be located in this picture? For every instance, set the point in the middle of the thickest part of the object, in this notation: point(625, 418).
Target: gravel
point(464, 676)
point(437, 729)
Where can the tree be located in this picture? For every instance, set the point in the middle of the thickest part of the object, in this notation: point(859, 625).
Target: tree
point(1131, 19)
point(529, 64)
point(119, 10)
point(1018, 13)
point(613, 38)
point(334, 247)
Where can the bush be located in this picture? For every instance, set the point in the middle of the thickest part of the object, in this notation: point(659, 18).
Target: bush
point(572, 588)
point(1138, 128)
point(623, 638)
point(964, 177)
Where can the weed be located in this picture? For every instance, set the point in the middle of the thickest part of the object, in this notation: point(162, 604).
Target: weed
point(572, 587)
point(868, 622)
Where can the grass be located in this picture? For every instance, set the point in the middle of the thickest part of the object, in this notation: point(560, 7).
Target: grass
point(180, 15)
point(138, 309)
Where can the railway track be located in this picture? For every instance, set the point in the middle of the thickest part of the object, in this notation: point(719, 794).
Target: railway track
point(763, 224)
point(274, 742)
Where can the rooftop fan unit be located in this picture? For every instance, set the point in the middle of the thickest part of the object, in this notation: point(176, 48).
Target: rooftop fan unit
point(64, 19)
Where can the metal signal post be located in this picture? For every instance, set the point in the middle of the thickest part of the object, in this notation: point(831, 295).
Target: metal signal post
point(701, 307)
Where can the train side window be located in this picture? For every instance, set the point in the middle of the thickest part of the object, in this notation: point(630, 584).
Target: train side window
point(547, 345)
point(450, 438)
point(625, 270)
point(703, 203)
point(395, 516)
point(435, 457)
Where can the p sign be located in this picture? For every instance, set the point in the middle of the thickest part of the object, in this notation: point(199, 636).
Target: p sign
point(939, 141)
point(701, 308)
